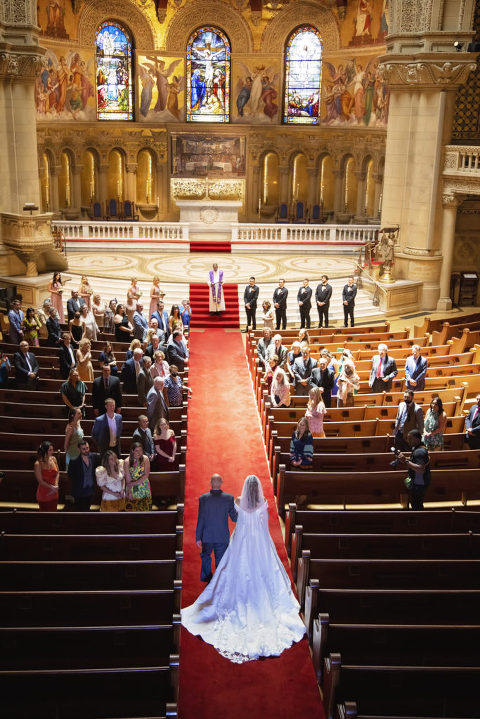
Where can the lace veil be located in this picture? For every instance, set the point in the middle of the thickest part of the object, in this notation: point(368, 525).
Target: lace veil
point(252, 494)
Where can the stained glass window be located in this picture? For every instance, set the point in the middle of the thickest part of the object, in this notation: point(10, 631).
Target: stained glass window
point(208, 76)
point(113, 54)
point(303, 76)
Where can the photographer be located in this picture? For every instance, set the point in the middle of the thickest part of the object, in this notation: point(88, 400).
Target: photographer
point(418, 469)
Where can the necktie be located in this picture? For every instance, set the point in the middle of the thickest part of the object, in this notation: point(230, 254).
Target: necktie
point(106, 384)
point(379, 367)
point(28, 362)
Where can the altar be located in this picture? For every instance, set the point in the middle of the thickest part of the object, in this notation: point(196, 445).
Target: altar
point(210, 216)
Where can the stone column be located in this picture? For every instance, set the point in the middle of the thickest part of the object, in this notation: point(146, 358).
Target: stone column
point(283, 173)
point(76, 188)
point(102, 185)
point(449, 217)
point(338, 201)
point(254, 193)
point(378, 179)
point(54, 204)
point(131, 184)
point(361, 200)
point(312, 186)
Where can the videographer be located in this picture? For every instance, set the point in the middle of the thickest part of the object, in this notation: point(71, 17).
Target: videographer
point(418, 465)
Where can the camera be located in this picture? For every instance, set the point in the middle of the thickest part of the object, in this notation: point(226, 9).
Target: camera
point(398, 460)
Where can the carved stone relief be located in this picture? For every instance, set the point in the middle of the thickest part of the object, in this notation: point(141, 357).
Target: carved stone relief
point(19, 66)
point(207, 12)
point(18, 12)
point(291, 16)
point(426, 74)
point(125, 11)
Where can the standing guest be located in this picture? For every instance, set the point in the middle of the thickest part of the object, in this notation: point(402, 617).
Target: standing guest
point(315, 412)
point(295, 353)
point(472, 425)
point(156, 294)
point(137, 470)
point(250, 297)
point(323, 377)
point(278, 349)
point(384, 369)
point(415, 370)
point(175, 319)
point(73, 435)
point(85, 291)
point(159, 366)
point(262, 346)
point(77, 329)
point(110, 312)
point(26, 367)
point(107, 429)
point(304, 301)
point(409, 416)
point(88, 320)
point(186, 313)
point(154, 346)
point(143, 435)
point(153, 331)
point(82, 476)
point(348, 382)
point(216, 303)
point(272, 366)
point(134, 344)
point(133, 295)
point(98, 311)
point(53, 328)
point(348, 296)
point(144, 380)
point(48, 478)
point(74, 304)
point(280, 303)
point(280, 389)
point(31, 326)
point(302, 371)
point(73, 392)
point(130, 371)
point(303, 336)
point(156, 404)
point(107, 357)
point(110, 477)
point(5, 368)
point(161, 315)
point(418, 469)
point(175, 387)
point(140, 323)
point(323, 294)
point(177, 351)
point(42, 313)
point(301, 445)
point(55, 287)
point(104, 387)
point(334, 365)
point(66, 355)
point(123, 328)
point(267, 315)
point(15, 318)
point(84, 360)
point(435, 424)
point(165, 446)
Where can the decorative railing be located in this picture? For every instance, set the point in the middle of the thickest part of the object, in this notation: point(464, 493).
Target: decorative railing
point(122, 231)
point(462, 160)
point(326, 234)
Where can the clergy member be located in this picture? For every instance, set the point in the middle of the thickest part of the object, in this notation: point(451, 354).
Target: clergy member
point(215, 282)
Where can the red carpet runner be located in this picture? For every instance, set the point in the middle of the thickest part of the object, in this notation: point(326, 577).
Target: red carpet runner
point(199, 297)
point(224, 436)
point(215, 247)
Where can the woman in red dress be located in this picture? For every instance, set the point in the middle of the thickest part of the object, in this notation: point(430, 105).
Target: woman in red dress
point(47, 476)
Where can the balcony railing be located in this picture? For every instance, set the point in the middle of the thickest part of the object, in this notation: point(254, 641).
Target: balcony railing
point(462, 161)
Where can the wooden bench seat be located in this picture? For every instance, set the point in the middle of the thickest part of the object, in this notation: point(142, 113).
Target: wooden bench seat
point(347, 414)
point(321, 331)
point(55, 425)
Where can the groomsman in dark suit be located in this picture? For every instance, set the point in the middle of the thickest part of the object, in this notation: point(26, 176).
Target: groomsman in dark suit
point(348, 296)
point(280, 303)
point(472, 426)
point(323, 376)
point(131, 368)
point(250, 297)
point(304, 300)
point(212, 534)
point(74, 304)
point(104, 387)
point(26, 367)
point(322, 297)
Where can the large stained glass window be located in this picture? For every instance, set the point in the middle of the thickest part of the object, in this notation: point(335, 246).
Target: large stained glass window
point(303, 76)
point(113, 54)
point(208, 76)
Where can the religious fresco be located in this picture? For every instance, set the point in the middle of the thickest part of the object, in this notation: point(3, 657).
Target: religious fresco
point(256, 91)
point(64, 86)
point(113, 55)
point(303, 77)
point(56, 19)
point(207, 156)
point(208, 76)
point(354, 93)
point(161, 89)
point(363, 22)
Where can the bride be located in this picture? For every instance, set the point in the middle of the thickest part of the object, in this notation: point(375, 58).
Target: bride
point(248, 610)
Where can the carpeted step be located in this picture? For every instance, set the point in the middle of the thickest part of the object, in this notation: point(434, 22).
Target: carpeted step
point(199, 300)
point(217, 247)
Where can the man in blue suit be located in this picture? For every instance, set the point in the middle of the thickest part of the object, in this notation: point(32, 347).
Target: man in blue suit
point(161, 315)
point(107, 429)
point(212, 534)
point(140, 324)
point(415, 370)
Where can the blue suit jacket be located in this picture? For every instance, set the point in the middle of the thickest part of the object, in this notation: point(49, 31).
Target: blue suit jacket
point(162, 321)
point(101, 432)
point(416, 371)
point(214, 508)
point(140, 325)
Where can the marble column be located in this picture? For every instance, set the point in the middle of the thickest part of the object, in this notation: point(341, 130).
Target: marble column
point(54, 203)
point(102, 193)
point(283, 173)
point(378, 179)
point(76, 194)
point(131, 184)
point(361, 199)
point(338, 200)
point(312, 186)
point(450, 204)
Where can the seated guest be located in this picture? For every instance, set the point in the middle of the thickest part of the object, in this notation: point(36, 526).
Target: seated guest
point(277, 349)
point(110, 477)
point(48, 477)
point(26, 367)
point(348, 382)
point(301, 445)
point(177, 351)
point(472, 425)
point(66, 356)
point(106, 357)
point(98, 311)
point(130, 371)
point(138, 494)
point(415, 370)
point(409, 416)
point(81, 472)
point(5, 368)
point(140, 323)
point(144, 381)
point(323, 376)
point(295, 352)
point(435, 424)
point(159, 366)
point(31, 326)
point(134, 344)
point(156, 403)
point(84, 360)
point(73, 435)
point(15, 318)
point(262, 346)
point(74, 304)
point(175, 386)
point(165, 446)
point(384, 369)
point(315, 412)
point(103, 387)
point(302, 371)
point(73, 392)
point(107, 429)
point(123, 328)
point(280, 389)
point(53, 328)
point(143, 435)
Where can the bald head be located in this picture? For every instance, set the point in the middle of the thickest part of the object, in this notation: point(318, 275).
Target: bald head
point(216, 481)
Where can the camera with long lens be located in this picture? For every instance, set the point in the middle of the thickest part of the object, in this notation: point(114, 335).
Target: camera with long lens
point(397, 460)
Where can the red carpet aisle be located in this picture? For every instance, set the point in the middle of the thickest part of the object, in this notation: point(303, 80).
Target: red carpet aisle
point(215, 247)
point(224, 436)
point(199, 301)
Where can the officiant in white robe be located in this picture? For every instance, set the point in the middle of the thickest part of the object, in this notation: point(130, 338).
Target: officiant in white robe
point(216, 302)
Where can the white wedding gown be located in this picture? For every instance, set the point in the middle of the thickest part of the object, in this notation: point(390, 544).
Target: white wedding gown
point(248, 610)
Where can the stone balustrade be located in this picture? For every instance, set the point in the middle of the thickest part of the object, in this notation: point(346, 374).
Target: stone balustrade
point(326, 234)
point(462, 161)
point(123, 231)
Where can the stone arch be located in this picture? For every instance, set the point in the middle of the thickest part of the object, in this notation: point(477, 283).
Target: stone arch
point(308, 12)
point(211, 12)
point(126, 13)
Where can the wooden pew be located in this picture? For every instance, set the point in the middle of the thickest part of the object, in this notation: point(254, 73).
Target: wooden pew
point(429, 325)
point(55, 425)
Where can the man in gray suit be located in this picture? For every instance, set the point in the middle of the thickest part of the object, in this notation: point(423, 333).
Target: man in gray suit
point(212, 534)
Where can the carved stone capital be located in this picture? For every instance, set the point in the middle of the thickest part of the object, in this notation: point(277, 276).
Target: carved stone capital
point(131, 167)
point(20, 65)
point(423, 71)
point(451, 200)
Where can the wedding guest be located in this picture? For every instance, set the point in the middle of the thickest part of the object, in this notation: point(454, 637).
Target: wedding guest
point(348, 382)
point(15, 318)
point(186, 314)
point(130, 371)
point(123, 328)
point(303, 336)
point(134, 344)
point(26, 367)
point(84, 360)
point(304, 301)
point(55, 287)
point(31, 326)
point(5, 368)
point(156, 404)
point(302, 371)
point(107, 429)
point(295, 353)
point(280, 389)
point(98, 311)
point(315, 412)
point(323, 294)
point(144, 381)
point(73, 392)
point(73, 435)
point(159, 367)
point(154, 346)
point(82, 476)
point(155, 295)
point(42, 313)
point(348, 297)
point(53, 328)
point(165, 446)
point(278, 349)
point(77, 329)
point(110, 312)
point(161, 316)
point(280, 303)
point(175, 319)
point(384, 369)
point(472, 425)
point(301, 445)
point(267, 315)
point(85, 291)
point(323, 377)
point(66, 355)
point(48, 478)
point(262, 346)
point(110, 477)
point(415, 371)
point(435, 425)
point(74, 304)
point(143, 435)
point(107, 357)
point(175, 387)
point(250, 297)
point(137, 470)
point(104, 387)
point(139, 322)
point(91, 329)
point(409, 416)
point(133, 295)
point(177, 351)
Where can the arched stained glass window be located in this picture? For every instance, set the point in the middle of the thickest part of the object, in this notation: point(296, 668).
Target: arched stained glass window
point(113, 55)
point(208, 76)
point(303, 76)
